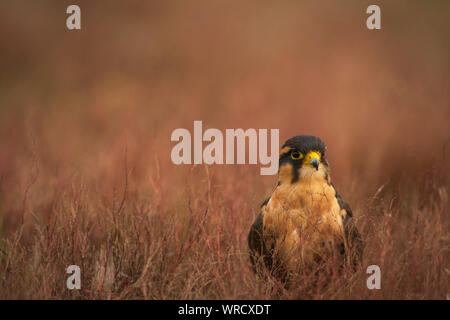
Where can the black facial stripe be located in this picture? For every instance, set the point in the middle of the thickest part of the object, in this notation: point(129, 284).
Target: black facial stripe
point(296, 164)
point(295, 168)
point(302, 144)
point(285, 158)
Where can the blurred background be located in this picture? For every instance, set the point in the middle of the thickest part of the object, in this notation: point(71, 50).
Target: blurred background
point(73, 101)
point(82, 106)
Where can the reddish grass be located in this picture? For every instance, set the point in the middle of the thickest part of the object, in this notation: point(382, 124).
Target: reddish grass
point(85, 124)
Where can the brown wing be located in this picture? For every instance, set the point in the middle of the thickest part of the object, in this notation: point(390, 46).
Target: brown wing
point(354, 242)
point(256, 242)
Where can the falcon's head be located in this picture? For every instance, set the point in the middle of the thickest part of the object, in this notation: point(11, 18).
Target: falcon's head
point(302, 157)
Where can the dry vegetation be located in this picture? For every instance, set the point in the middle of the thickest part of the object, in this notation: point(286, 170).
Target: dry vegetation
point(85, 124)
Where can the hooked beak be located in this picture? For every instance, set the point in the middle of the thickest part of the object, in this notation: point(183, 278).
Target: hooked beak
point(315, 163)
point(313, 159)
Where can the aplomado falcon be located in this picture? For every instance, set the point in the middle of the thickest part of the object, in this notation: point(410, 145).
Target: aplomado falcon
point(305, 222)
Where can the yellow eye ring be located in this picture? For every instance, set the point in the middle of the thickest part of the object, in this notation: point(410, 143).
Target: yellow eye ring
point(295, 155)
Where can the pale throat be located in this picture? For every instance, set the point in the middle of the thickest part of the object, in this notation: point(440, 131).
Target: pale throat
point(308, 174)
point(312, 190)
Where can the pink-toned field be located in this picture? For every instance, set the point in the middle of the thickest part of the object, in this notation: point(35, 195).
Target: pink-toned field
point(86, 118)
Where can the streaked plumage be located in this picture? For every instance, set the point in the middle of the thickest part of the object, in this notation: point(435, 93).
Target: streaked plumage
point(305, 221)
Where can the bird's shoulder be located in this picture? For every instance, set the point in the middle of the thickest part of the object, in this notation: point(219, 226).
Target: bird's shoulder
point(255, 234)
point(342, 204)
point(354, 239)
point(346, 212)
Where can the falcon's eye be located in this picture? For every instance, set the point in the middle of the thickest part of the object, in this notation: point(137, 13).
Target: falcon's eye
point(295, 155)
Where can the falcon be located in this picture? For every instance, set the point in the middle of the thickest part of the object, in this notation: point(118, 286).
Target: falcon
point(305, 222)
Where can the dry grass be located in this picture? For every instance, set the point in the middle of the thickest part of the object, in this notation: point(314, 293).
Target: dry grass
point(85, 123)
point(193, 247)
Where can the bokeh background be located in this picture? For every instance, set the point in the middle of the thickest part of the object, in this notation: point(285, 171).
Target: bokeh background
point(86, 118)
